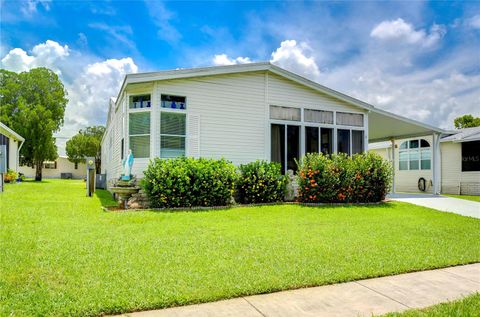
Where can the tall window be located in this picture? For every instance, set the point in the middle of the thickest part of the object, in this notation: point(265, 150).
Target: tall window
point(343, 141)
point(357, 141)
point(318, 140)
point(285, 145)
point(139, 131)
point(414, 155)
point(172, 134)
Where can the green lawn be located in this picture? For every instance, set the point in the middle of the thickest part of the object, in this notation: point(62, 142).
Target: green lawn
point(467, 197)
point(62, 255)
point(466, 307)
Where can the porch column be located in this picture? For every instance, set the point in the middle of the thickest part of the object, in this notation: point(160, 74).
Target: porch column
point(393, 165)
point(436, 164)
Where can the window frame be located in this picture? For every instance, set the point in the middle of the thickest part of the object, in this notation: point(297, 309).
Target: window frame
point(171, 110)
point(419, 150)
point(137, 111)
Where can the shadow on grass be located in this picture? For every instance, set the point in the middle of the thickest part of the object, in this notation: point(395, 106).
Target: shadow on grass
point(106, 198)
point(31, 180)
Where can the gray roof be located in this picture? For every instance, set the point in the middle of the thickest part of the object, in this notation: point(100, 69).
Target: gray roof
point(463, 135)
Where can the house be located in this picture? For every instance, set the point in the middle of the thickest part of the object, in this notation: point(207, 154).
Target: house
point(60, 168)
point(242, 113)
point(13, 143)
point(460, 162)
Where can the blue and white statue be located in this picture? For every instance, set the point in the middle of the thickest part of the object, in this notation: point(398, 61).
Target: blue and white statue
point(127, 166)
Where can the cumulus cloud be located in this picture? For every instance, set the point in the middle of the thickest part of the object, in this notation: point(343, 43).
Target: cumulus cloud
point(399, 30)
point(294, 57)
point(223, 59)
point(474, 22)
point(44, 54)
point(89, 84)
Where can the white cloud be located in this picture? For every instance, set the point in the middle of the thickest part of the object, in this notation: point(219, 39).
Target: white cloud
point(474, 22)
point(399, 30)
point(30, 7)
point(293, 56)
point(223, 59)
point(162, 18)
point(89, 84)
point(44, 54)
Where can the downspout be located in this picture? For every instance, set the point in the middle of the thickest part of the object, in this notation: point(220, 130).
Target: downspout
point(393, 166)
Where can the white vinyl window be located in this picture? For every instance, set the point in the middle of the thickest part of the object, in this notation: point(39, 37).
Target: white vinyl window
point(350, 119)
point(414, 155)
point(172, 134)
point(139, 132)
point(285, 113)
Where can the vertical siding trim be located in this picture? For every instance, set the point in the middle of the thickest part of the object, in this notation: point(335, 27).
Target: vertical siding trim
point(267, 147)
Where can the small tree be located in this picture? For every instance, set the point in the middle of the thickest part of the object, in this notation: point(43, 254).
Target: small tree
point(33, 104)
point(86, 143)
point(466, 121)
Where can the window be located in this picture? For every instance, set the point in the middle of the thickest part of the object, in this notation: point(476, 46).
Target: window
point(285, 145)
point(141, 101)
point(414, 155)
point(350, 119)
point(326, 140)
point(173, 102)
point(172, 134)
point(4, 140)
point(318, 116)
point(76, 166)
point(293, 146)
point(139, 131)
point(278, 144)
point(285, 113)
point(50, 165)
point(471, 156)
point(357, 141)
point(343, 141)
point(122, 149)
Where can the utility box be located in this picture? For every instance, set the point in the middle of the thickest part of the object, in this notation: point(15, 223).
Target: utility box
point(90, 163)
point(101, 181)
point(3, 164)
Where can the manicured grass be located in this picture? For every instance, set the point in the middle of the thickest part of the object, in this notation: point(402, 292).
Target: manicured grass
point(466, 307)
point(467, 197)
point(62, 255)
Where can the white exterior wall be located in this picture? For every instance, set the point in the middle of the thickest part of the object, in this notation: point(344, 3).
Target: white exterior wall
point(13, 154)
point(233, 113)
point(63, 166)
point(454, 181)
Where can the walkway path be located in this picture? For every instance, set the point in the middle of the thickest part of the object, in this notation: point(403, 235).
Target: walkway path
point(443, 203)
point(360, 298)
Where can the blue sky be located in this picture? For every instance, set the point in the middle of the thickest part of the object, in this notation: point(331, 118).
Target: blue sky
point(419, 59)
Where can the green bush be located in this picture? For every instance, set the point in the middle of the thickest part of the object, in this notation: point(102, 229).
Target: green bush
point(260, 182)
point(340, 178)
point(189, 182)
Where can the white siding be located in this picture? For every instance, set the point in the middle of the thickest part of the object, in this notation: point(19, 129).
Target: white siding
point(454, 181)
point(13, 154)
point(63, 166)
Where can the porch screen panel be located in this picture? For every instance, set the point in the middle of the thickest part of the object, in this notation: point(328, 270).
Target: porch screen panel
point(311, 139)
point(326, 140)
point(350, 119)
point(285, 113)
point(139, 131)
point(357, 142)
point(318, 116)
point(343, 141)
point(293, 146)
point(278, 144)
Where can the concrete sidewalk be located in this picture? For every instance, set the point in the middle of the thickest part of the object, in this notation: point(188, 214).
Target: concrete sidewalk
point(443, 203)
point(360, 298)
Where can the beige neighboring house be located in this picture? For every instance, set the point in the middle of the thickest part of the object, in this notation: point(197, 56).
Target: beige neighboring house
point(60, 168)
point(459, 160)
point(13, 142)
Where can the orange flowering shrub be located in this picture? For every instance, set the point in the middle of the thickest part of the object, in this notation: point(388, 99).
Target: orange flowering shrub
point(340, 178)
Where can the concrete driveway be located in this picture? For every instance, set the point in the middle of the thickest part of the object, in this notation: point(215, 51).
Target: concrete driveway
point(443, 203)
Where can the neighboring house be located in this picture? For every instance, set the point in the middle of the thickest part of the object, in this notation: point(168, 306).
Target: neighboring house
point(242, 113)
point(460, 162)
point(60, 168)
point(13, 143)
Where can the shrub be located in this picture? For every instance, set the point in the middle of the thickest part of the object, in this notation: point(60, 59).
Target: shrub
point(10, 176)
point(189, 182)
point(339, 178)
point(260, 182)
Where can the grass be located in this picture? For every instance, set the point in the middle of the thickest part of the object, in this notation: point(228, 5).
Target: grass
point(62, 255)
point(466, 307)
point(466, 197)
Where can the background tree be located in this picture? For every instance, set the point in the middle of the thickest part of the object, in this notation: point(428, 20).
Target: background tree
point(86, 143)
point(33, 104)
point(466, 121)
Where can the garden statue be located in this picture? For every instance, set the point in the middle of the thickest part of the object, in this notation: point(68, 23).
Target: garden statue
point(127, 166)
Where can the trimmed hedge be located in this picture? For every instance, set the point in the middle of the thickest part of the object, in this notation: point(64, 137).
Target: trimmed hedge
point(340, 178)
point(260, 182)
point(189, 182)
